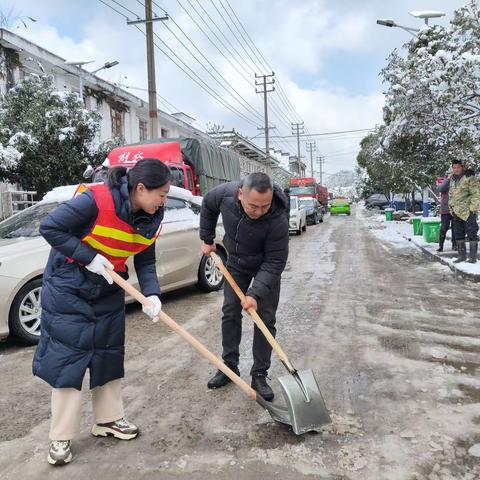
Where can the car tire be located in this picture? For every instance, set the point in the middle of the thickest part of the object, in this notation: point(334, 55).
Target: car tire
point(315, 219)
point(321, 219)
point(25, 329)
point(304, 228)
point(210, 279)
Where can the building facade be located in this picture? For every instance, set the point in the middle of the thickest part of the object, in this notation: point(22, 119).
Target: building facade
point(124, 115)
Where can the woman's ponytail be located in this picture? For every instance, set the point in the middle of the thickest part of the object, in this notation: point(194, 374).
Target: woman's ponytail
point(115, 174)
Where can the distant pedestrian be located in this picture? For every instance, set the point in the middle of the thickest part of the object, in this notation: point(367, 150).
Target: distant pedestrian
point(464, 202)
point(445, 214)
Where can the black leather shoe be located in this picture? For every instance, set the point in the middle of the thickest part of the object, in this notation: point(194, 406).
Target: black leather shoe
point(219, 380)
point(260, 385)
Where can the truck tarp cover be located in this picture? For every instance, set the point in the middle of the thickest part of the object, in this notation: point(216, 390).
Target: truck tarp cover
point(213, 164)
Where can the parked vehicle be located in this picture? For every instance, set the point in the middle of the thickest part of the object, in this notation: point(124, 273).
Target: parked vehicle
point(298, 216)
point(313, 210)
point(24, 254)
point(197, 165)
point(340, 205)
point(400, 202)
point(308, 187)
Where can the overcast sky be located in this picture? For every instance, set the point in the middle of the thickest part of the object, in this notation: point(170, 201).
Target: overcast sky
point(326, 56)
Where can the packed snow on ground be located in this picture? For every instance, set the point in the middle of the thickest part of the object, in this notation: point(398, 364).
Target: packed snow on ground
point(400, 234)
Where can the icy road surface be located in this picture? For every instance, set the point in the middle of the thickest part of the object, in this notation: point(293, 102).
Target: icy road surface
point(394, 341)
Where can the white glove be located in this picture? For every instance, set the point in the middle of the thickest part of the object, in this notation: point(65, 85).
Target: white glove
point(98, 265)
point(154, 311)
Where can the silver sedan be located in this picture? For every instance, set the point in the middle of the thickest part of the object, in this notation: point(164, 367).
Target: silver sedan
point(24, 254)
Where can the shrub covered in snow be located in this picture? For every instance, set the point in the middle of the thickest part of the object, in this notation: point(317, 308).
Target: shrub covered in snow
point(47, 137)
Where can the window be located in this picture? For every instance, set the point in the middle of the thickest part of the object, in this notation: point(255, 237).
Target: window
point(164, 133)
point(26, 223)
point(117, 123)
point(190, 180)
point(143, 130)
point(174, 204)
point(178, 178)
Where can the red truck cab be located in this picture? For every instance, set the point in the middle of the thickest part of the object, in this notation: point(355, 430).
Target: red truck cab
point(169, 153)
point(308, 187)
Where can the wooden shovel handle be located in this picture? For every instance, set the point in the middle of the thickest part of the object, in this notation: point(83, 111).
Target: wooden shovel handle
point(183, 333)
point(253, 313)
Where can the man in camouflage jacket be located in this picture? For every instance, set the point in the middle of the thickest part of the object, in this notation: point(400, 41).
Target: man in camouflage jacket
point(464, 201)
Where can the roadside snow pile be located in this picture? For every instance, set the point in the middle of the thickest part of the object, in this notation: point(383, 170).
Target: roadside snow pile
point(400, 235)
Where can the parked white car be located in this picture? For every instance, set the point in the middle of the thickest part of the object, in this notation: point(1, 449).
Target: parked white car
point(298, 216)
point(24, 254)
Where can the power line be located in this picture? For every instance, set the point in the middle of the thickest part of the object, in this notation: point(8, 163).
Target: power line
point(327, 133)
point(243, 101)
point(232, 51)
point(199, 81)
point(280, 91)
point(233, 33)
point(252, 70)
point(125, 8)
point(275, 108)
point(114, 9)
point(191, 75)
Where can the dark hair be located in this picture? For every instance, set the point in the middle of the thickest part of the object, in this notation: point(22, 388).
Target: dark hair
point(259, 181)
point(457, 162)
point(151, 172)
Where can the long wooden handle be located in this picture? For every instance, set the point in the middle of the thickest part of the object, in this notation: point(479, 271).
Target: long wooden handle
point(253, 313)
point(183, 333)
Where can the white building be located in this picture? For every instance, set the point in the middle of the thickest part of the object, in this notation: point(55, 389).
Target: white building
point(123, 115)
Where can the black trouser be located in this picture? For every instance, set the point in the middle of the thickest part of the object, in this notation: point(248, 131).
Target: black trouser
point(467, 227)
point(232, 324)
point(446, 221)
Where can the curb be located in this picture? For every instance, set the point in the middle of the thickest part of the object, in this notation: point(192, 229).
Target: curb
point(457, 272)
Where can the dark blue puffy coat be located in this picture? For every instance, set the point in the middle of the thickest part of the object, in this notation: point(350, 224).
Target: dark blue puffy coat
point(83, 317)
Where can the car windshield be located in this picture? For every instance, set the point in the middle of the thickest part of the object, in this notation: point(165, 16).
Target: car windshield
point(308, 202)
point(27, 222)
point(293, 203)
point(294, 190)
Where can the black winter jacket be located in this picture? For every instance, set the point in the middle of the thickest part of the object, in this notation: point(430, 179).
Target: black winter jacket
point(256, 247)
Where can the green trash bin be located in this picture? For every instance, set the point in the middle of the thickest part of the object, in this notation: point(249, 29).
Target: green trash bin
point(389, 214)
point(417, 225)
point(431, 229)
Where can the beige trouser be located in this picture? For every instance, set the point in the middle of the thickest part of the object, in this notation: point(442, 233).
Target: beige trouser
point(67, 403)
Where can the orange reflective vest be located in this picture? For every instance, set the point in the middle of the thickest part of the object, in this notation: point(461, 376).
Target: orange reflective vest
point(110, 236)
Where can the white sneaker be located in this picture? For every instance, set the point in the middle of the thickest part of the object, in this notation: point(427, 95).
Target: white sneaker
point(60, 452)
point(120, 429)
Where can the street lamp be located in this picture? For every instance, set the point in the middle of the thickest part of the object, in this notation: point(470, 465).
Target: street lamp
point(386, 22)
point(79, 66)
point(426, 15)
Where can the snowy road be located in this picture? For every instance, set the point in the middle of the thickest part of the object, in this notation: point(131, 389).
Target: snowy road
point(394, 341)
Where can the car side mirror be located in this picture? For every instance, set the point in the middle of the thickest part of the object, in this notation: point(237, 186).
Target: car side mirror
point(89, 171)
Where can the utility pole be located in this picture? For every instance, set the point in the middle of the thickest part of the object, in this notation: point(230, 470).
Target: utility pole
point(311, 147)
point(321, 162)
point(152, 88)
point(297, 129)
point(262, 83)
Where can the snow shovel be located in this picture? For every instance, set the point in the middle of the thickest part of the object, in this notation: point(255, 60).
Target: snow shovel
point(305, 402)
point(278, 414)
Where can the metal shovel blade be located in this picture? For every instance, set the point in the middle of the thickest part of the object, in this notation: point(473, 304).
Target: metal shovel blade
point(304, 415)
